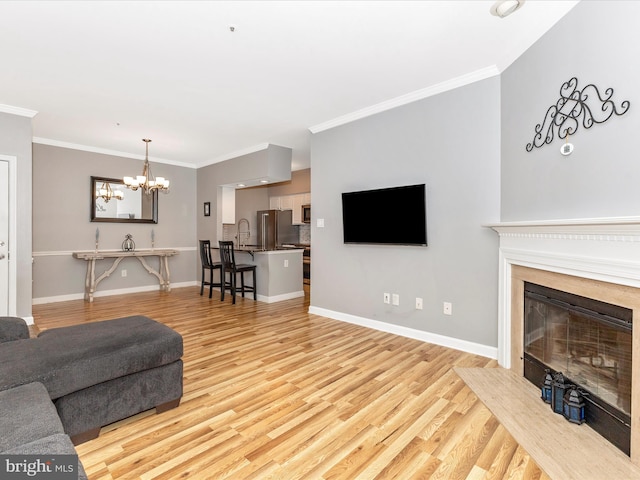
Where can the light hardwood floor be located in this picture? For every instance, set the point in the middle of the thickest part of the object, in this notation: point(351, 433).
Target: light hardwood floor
point(272, 392)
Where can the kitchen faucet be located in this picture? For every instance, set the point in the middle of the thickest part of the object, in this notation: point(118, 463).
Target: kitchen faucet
point(241, 233)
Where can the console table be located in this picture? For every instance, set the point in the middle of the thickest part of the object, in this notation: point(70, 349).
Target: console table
point(91, 282)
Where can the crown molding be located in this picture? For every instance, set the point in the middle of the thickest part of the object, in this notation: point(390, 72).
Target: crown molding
point(23, 112)
point(460, 81)
point(105, 151)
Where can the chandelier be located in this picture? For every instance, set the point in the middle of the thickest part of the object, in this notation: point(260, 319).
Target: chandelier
point(147, 182)
point(107, 193)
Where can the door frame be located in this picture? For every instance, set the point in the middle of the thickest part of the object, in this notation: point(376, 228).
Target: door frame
point(13, 231)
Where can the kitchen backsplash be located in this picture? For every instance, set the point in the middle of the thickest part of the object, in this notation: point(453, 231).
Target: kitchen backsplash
point(305, 233)
point(229, 233)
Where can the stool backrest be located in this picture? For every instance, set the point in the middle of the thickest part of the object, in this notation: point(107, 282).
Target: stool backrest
point(205, 253)
point(227, 256)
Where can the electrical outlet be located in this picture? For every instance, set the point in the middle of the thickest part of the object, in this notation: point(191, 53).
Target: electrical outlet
point(447, 308)
point(124, 272)
point(286, 263)
point(387, 298)
point(395, 299)
point(418, 303)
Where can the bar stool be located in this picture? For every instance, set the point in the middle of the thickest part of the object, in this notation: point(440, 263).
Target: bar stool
point(229, 265)
point(208, 264)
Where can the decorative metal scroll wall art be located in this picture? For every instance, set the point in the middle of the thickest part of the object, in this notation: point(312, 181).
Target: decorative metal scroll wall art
point(586, 106)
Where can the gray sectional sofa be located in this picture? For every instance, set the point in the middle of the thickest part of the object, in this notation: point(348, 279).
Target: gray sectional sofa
point(29, 424)
point(60, 388)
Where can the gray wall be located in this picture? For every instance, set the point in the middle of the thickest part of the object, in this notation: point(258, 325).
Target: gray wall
point(61, 222)
point(15, 140)
point(598, 42)
point(450, 142)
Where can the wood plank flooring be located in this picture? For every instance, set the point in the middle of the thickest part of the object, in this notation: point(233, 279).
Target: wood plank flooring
point(272, 392)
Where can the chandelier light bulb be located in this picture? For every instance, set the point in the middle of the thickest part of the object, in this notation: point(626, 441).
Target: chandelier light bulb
point(146, 181)
point(107, 193)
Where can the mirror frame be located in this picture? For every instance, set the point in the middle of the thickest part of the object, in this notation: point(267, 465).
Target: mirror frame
point(96, 180)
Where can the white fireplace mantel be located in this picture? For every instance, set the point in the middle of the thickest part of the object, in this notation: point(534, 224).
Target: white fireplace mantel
point(603, 249)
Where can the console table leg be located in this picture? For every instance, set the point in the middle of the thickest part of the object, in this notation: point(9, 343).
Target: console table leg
point(90, 281)
point(166, 274)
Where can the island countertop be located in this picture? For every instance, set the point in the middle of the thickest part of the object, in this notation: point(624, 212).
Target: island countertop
point(257, 249)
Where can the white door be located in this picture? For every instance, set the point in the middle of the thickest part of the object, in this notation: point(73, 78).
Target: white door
point(4, 238)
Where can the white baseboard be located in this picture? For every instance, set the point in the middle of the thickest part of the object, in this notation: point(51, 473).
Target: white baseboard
point(151, 288)
point(108, 293)
point(455, 343)
point(280, 298)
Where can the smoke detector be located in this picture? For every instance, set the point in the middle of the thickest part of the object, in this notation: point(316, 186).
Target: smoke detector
point(504, 8)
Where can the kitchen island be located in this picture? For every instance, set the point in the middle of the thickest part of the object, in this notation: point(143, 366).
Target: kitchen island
point(278, 272)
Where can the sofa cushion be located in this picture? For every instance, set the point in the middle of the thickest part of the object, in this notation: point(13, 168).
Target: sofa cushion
point(56, 444)
point(13, 328)
point(69, 359)
point(26, 414)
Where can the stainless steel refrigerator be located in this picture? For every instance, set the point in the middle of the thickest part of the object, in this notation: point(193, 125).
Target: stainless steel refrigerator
point(275, 229)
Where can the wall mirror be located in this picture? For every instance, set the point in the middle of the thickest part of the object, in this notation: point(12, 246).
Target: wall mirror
point(134, 207)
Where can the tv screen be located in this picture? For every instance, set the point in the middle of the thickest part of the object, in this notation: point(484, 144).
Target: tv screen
point(391, 216)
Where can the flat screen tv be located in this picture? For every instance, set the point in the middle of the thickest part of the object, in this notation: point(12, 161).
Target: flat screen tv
point(386, 216)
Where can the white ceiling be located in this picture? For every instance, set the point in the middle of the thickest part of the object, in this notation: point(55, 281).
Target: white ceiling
point(104, 75)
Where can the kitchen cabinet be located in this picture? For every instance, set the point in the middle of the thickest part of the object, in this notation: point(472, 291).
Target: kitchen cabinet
point(298, 201)
point(274, 203)
point(228, 203)
point(286, 202)
point(291, 202)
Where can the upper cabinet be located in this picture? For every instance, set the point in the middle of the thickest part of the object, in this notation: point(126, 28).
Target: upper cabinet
point(293, 203)
point(228, 202)
point(298, 201)
point(286, 202)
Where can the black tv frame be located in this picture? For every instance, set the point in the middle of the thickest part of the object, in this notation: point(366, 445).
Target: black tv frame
point(386, 216)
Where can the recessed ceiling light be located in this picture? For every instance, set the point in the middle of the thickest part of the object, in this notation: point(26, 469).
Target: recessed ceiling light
point(241, 185)
point(264, 181)
point(503, 8)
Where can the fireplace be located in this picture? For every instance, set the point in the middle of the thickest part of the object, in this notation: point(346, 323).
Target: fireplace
point(598, 259)
point(589, 341)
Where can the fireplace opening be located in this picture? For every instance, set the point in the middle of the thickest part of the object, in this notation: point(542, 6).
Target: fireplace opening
point(590, 343)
